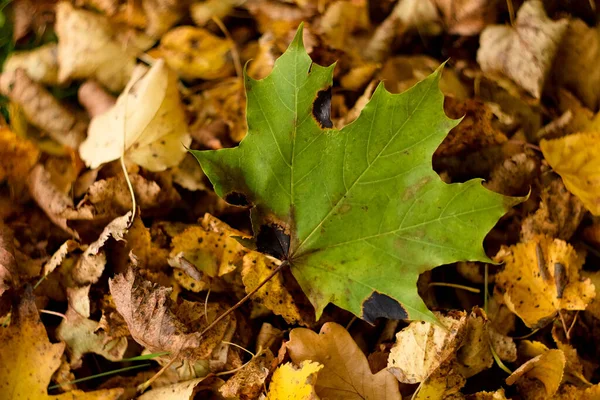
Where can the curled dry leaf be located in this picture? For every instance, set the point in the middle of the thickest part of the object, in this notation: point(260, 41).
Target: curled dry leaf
point(345, 374)
point(295, 383)
point(40, 64)
point(28, 359)
point(558, 215)
point(541, 277)
point(87, 48)
point(526, 52)
point(54, 203)
point(59, 256)
point(422, 347)
point(159, 325)
point(540, 377)
point(42, 109)
point(273, 295)
point(195, 53)
point(249, 382)
point(147, 122)
point(576, 158)
point(91, 264)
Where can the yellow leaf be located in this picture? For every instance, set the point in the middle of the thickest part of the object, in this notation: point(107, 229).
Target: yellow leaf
point(195, 53)
point(576, 158)
point(87, 48)
point(422, 347)
point(541, 277)
point(346, 373)
point(294, 383)
point(148, 122)
point(17, 156)
point(28, 359)
point(545, 369)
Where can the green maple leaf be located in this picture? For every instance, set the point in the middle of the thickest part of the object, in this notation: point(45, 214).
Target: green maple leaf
point(359, 212)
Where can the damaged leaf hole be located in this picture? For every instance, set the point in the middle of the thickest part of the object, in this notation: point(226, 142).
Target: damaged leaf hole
point(237, 199)
point(321, 109)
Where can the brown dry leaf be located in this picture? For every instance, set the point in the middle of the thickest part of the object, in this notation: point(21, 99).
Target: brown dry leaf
point(467, 17)
point(189, 175)
point(9, 273)
point(159, 325)
point(202, 13)
point(541, 277)
point(28, 359)
point(294, 383)
point(273, 295)
point(147, 122)
point(540, 377)
point(576, 60)
point(177, 391)
point(475, 354)
point(79, 334)
point(163, 14)
point(422, 347)
point(474, 132)
point(87, 48)
point(341, 20)
point(59, 256)
point(249, 382)
point(526, 52)
point(40, 64)
point(345, 374)
point(574, 372)
point(419, 15)
point(91, 264)
point(514, 175)
point(276, 17)
point(17, 156)
point(569, 392)
point(576, 158)
point(497, 395)
point(195, 53)
point(49, 198)
point(559, 213)
point(41, 108)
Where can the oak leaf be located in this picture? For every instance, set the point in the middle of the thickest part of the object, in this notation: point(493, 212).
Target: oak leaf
point(541, 277)
point(526, 52)
point(345, 374)
point(312, 186)
point(576, 158)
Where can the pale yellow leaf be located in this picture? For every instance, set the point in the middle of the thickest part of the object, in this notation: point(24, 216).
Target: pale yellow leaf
point(294, 383)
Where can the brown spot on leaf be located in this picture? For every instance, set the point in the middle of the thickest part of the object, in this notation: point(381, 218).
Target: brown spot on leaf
point(322, 108)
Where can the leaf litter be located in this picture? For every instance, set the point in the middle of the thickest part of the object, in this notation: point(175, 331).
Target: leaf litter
point(349, 189)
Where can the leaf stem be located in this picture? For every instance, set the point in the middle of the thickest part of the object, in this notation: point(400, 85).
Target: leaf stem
point(456, 286)
point(245, 298)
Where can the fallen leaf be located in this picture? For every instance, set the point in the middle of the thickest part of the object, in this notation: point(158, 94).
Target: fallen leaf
point(249, 382)
point(177, 391)
point(159, 325)
point(422, 347)
point(558, 215)
point(575, 60)
point(341, 19)
point(294, 383)
point(541, 277)
point(80, 336)
point(419, 15)
point(316, 234)
point(202, 13)
point(526, 52)
point(87, 48)
point(147, 123)
point(443, 383)
point(576, 158)
point(467, 17)
point(17, 156)
point(42, 109)
point(513, 176)
point(570, 392)
point(59, 256)
point(40, 64)
point(163, 14)
point(28, 359)
point(91, 264)
point(540, 377)
point(273, 295)
point(345, 373)
point(195, 53)
point(9, 274)
point(497, 395)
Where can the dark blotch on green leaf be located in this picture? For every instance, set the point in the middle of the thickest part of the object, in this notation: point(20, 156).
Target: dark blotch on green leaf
point(382, 306)
point(237, 199)
point(273, 241)
point(322, 108)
